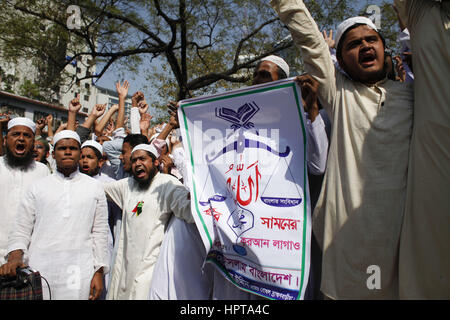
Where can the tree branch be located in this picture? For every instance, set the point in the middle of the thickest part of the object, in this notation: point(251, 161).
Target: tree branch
point(251, 34)
point(210, 78)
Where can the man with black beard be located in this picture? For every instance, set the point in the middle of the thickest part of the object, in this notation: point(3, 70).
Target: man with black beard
point(147, 199)
point(61, 227)
point(358, 216)
point(17, 170)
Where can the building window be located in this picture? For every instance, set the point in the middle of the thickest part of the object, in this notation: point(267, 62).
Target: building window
point(86, 98)
point(15, 111)
point(113, 101)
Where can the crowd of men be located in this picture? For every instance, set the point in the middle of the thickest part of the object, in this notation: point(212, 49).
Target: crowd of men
point(102, 209)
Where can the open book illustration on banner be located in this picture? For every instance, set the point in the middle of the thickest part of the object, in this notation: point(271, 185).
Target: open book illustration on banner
point(249, 189)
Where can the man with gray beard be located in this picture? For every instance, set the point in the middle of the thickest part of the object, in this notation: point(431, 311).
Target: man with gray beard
point(17, 170)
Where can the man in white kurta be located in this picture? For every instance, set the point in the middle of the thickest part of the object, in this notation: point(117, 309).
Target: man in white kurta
point(359, 213)
point(145, 215)
point(13, 182)
point(424, 262)
point(91, 162)
point(62, 224)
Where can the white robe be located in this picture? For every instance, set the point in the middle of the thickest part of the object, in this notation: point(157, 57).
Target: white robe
point(359, 212)
point(424, 259)
point(114, 216)
point(141, 235)
point(62, 222)
point(180, 274)
point(13, 184)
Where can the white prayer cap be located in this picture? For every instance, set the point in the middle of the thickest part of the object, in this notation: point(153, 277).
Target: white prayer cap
point(147, 147)
point(21, 121)
point(66, 134)
point(279, 62)
point(93, 144)
point(350, 22)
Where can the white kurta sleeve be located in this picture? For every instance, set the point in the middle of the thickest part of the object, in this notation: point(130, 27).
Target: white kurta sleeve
point(178, 199)
point(20, 235)
point(114, 191)
point(100, 233)
point(135, 118)
point(317, 145)
point(314, 50)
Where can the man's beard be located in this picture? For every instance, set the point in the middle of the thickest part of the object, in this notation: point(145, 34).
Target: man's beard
point(145, 184)
point(19, 162)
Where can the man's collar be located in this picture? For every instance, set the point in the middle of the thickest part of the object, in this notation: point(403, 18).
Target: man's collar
point(70, 177)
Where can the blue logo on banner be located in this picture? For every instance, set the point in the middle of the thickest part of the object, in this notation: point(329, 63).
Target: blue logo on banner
point(241, 220)
point(241, 118)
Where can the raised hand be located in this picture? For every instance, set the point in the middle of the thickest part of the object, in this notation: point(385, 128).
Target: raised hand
point(74, 104)
point(49, 119)
point(110, 128)
point(329, 38)
point(143, 107)
point(309, 87)
point(401, 73)
point(144, 122)
point(173, 108)
point(98, 110)
point(167, 163)
point(122, 90)
point(136, 98)
point(4, 119)
point(40, 124)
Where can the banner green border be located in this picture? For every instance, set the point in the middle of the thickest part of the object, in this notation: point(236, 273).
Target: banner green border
point(305, 174)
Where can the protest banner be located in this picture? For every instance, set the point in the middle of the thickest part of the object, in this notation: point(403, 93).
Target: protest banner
point(247, 172)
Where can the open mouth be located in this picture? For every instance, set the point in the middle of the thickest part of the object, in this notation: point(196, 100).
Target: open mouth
point(367, 59)
point(140, 173)
point(85, 168)
point(20, 149)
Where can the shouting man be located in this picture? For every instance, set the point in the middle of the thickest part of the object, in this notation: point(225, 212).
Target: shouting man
point(147, 199)
point(61, 228)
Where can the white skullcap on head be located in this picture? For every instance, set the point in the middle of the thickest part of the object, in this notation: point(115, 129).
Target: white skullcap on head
point(21, 121)
point(147, 147)
point(279, 62)
point(350, 22)
point(94, 144)
point(66, 134)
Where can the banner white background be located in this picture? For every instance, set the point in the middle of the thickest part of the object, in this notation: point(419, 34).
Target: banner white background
point(249, 191)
